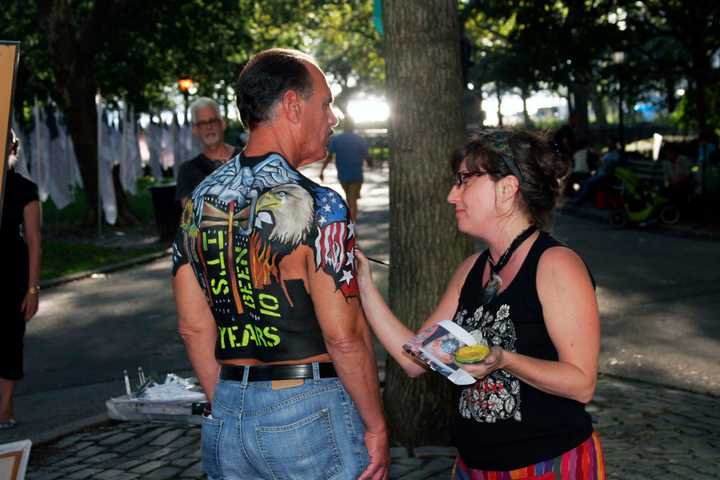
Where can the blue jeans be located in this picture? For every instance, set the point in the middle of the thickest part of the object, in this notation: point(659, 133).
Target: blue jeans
point(310, 431)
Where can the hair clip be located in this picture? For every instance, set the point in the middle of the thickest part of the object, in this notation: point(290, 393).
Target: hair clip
point(554, 147)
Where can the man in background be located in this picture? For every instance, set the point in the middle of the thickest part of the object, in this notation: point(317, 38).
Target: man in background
point(209, 127)
point(350, 151)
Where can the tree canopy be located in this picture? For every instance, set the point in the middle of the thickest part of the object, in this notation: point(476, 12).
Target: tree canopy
point(569, 44)
point(135, 51)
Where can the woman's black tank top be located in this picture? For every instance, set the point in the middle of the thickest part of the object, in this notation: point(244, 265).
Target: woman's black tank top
point(500, 422)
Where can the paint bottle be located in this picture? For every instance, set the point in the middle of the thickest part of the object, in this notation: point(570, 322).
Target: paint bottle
point(128, 390)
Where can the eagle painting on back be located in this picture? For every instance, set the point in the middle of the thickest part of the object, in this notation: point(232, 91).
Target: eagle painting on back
point(283, 220)
point(246, 218)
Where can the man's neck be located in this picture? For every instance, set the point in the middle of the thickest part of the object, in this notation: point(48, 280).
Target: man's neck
point(220, 152)
point(266, 138)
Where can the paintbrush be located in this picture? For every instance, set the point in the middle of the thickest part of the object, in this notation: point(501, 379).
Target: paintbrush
point(377, 261)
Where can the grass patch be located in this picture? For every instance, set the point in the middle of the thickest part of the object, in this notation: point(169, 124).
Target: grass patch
point(70, 246)
point(74, 213)
point(65, 258)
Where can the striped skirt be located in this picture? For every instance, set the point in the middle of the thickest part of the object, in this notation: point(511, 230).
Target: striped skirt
point(584, 462)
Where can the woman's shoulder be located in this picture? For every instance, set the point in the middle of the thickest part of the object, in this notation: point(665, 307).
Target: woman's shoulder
point(560, 262)
point(559, 254)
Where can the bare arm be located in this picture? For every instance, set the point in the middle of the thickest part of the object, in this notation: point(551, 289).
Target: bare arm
point(32, 220)
point(348, 341)
point(327, 160)
point(391, 332)
point(197, 328)
point(572, 320)
point(368, 159)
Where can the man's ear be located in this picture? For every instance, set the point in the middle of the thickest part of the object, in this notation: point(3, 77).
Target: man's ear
point(291, 105)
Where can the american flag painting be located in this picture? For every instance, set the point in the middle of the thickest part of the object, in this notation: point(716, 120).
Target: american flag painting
point(335, 241)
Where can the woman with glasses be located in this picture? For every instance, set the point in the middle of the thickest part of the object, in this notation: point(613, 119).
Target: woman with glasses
point(531, 300)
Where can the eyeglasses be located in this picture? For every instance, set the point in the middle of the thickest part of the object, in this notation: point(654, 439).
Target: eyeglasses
point(213, 122)
point(461, 178)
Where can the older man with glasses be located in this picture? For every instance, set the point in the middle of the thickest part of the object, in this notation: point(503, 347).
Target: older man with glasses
point(209, 126)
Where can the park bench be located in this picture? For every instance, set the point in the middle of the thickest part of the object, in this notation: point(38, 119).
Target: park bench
point(647, 169)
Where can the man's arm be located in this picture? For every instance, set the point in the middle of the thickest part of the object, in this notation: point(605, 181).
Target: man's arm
point(348, 341)
point(197, 327)
point(366, 155)
point(327, 160)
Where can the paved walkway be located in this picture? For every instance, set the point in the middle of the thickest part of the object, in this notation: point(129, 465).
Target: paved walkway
point(647, 432)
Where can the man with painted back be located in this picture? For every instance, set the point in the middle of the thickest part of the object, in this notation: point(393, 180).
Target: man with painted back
point(265, 288)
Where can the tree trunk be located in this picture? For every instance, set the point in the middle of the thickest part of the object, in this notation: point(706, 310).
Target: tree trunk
point(581, 94)
point(498, 95)
point(670, 98)
point(425, 90)
point(569, 100)
point(598, 105)
point(526, 116)
point(82, 126)
point(126, 216)
point(700, 73)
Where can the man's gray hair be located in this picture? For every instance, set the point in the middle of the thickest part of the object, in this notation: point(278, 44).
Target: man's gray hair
point(203, 102)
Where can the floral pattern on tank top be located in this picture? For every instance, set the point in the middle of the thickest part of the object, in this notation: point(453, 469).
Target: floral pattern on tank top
point(497, 396)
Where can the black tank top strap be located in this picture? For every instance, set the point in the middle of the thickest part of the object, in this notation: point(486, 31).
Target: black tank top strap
point(473, 279)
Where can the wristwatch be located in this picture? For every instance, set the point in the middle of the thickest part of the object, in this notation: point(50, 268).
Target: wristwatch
point(34, 289)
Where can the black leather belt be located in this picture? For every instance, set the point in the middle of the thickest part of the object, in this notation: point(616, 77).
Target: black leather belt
point(264, 373)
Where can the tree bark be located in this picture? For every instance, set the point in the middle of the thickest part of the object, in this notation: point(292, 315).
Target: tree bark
point(526, 116)
point(125, 213)
point(700, 71)
point(569, 100)
point(425, 89)
point(598, 105)
point(498, 95)
point(670, 98)
point(580, 93)
point(82, 127)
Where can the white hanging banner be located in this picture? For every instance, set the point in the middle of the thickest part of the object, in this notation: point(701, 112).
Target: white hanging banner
point(62, 166)
point(105, 164)
point(153, 138)
point(130, 167)
point(40, 152)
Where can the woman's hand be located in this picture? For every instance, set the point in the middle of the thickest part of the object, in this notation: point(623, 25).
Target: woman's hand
point(364, 274)
point(29, 305)
point(494, 361)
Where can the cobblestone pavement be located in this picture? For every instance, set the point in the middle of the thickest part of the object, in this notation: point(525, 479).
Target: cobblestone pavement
point(647, 431)
point(650, 431)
